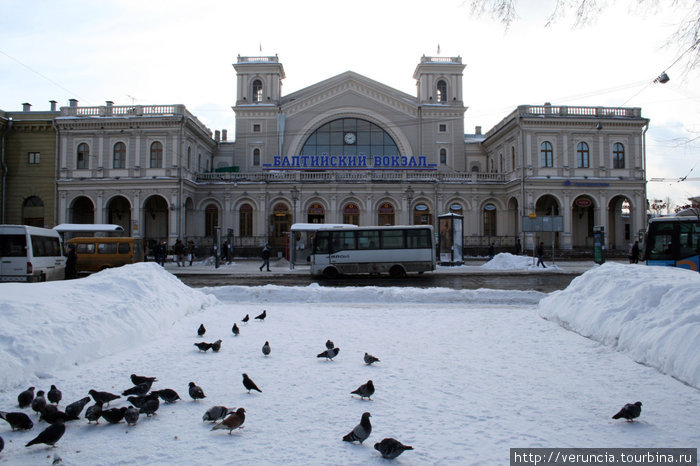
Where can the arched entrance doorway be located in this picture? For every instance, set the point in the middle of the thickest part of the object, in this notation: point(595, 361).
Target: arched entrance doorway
point(155, 221)
point(119, 213)
point(82, 211)
point(422, 215)
point(280, 223)
point(619, 235)
point(582, 222)
point(351, 214)
point(546, 206)
point(316, 213)
point(386, 214)
point(33, 212)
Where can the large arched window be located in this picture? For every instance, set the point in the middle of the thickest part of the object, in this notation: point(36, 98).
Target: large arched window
point(351, 214)
point(443, 156)
point(156, 155)
point(441, 91)
point(489, 220)
point(350, 136)
point(547, 154)
point(83, 156)
point(618, 155)
point(582, 155)
point(257, 91)
point(119, 155)
point(256, 157)
point(245, 224)
point(211, 219)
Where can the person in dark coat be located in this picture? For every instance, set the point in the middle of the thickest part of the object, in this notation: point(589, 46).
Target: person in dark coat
point(71, 263)
point(492, 251)
point(518, 246)
point(161, 252)
point(179, 250)
point(190, 250)
point(540, 254)
point(266, 257)
point(634, 256)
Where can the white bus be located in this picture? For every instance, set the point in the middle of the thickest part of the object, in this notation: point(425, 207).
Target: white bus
point(396, 250)
point(30, 254)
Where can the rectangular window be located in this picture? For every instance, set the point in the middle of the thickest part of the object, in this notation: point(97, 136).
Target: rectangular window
point(392, 239)
point(256, 128)
point(442, 128)
point(367, 239)
point(34, 158)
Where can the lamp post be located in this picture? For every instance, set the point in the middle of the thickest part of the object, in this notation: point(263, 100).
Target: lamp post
point(409, 198)
point(292, 245)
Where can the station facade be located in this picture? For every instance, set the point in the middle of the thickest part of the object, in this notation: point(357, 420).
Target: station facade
point(344, 150)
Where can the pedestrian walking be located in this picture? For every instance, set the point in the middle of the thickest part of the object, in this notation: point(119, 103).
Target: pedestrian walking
point(634, 255)
point(71, 263)
point(540, 254)
point(160, 253)
point(518, 246)
point(179, 250)
point(190, 250)
point(265, 257)
point(224, 252)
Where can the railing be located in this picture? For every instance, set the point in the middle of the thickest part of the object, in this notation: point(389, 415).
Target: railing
point(565, 110)
point(269, 59)
point(425, 59)
point(378, 176)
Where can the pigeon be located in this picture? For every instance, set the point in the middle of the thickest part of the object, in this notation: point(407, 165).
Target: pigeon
point(93, 413)
point(114, 415)
point(196, 392)
point(215, 413)
point(330, 344)
point(235, 329)
point(246, 318)
point(361, 431)
point(630, 411)
point(131, 416)
point(151, 405)
point(138, 401)
point(216, 346)
point(365, 390)
point(17, 420)
point(54, 395)
point(50, 435)
point(369, 359)
point(262, 316)
point(52, 416)
point(137, 379)
point(74, 409)
point(203, 346)
point(25, 398)
point(138, 390)
point(266, 348)
point(201, 330)
point(390, 448)
point(39, 403)
point(167, 394)
point(234, 421)
point(249, 384)
point(103, 397)
point(329, 353)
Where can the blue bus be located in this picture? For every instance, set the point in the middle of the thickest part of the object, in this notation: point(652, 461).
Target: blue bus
point(674, 242)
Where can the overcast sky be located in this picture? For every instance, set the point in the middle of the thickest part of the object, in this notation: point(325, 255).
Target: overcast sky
point(181, 52)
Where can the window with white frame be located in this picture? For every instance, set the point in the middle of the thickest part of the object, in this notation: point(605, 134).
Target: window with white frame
point(582, 155)
point(34, 158)
point(618, 155)
point(119, 155)
point(546, 154)
point(83, 156)
point(156, 155)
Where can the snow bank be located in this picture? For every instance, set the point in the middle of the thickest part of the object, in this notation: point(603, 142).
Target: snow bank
point(48, 326)
point(650, 313)
point(508, 261)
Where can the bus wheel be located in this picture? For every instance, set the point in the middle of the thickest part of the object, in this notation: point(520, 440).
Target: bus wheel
point(397, 271)
point(330, 272)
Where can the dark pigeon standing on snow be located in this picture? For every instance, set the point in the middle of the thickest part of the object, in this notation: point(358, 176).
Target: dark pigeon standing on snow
point(25, 398)
point(249, 384)
point(54, 395)
point(262, 316)
point(369, 359)
point(50, 435)
point(93, 413)
point(196, 392)
point(103, 397)
point(131, 416)
point(150, 405)
point(203, 346)
point(390, 448)
point(52, 415)
point(329, 353)
point(630, 411)
point(235, 329)
point(114, 415)
point(138, 379)
point(361, 431)
point(39, 403)
point(201, 330)
point(215, 413)
point(330, 344)
point(234, 421)
point(74, 409)
point(17, 420)
point(167, 394)
point(138, 390)
point(266, 348)
point(216, 346)
point(246, 318)
point(365, 390)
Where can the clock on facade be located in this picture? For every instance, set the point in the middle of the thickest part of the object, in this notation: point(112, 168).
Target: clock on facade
point(349, 138)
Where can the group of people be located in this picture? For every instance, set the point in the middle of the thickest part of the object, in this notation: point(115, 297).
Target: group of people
point(181, 252)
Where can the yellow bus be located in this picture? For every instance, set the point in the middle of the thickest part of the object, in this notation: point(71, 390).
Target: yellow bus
point(95, 254)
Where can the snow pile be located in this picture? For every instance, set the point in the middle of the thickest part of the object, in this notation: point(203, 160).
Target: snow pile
point(49, 326)
point(650, 313)
point(508, 261)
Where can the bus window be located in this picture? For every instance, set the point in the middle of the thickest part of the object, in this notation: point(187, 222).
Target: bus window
point(392, 239)
point(661, 241)
point(689, 237)
point(417, 238)
point(107, 248)
point(368, 239)
point(321, 242)
point(123, 248)
point(343, 240)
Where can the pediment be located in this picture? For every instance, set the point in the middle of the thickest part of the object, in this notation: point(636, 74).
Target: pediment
point(349, 84)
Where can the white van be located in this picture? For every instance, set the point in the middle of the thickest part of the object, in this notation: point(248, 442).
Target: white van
point(30, 254)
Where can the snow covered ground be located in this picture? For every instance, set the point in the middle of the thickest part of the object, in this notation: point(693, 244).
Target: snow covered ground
point(463, 377)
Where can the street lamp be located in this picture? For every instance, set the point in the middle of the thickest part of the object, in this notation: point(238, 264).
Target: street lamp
point(295, 198)
point(409, 198)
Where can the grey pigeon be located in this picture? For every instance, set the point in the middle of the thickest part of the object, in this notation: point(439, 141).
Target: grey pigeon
point(167, 394)
point(329, 353)
point(201, 330)
point(235, 329)
point(74, 409)
point(246, 318)
point(203, 346)
point(330, 344)
point(361, 431)
point(137, 379)
point(369, 359)
point(50, 435)
point(216, 346)
point(365, 390)
point(114, 415)
point(131, 416)
point(390, 448)
point(266, 348)
point(52, 416)
point(215, 413)
point(54, 395)
point(93, 413)
point(138, 390)
point(151, 405)
point(138, 401)
point(630, 411)
point(234, 421)
point(103, 397)
point(17, 420)
point(249, 384)
point(196, 392)
point(39, 402)
point(262, 316)
point(25, 398)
